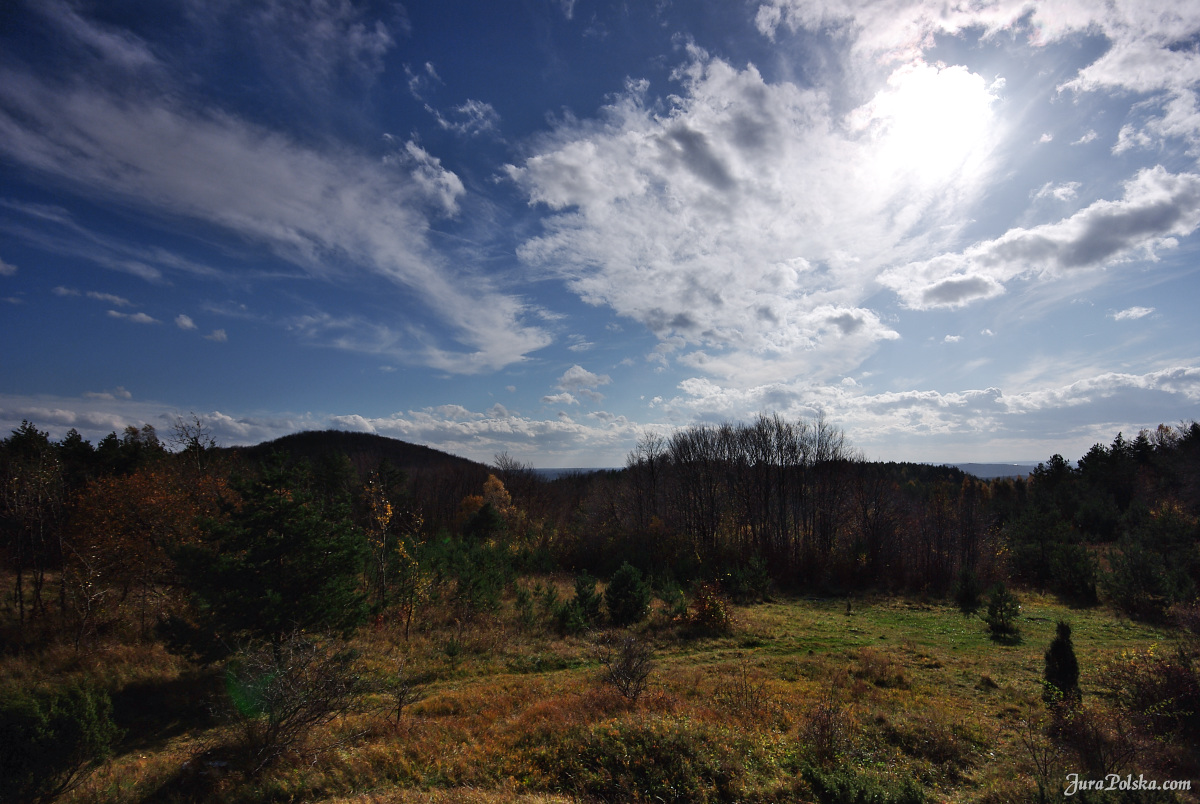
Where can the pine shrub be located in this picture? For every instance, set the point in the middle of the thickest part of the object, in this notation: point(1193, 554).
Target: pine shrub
point(1062, 668)
point(1003, 609)
point(48, 739)
point(627, 596)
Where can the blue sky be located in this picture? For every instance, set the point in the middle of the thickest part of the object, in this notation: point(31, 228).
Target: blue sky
point(961, 232)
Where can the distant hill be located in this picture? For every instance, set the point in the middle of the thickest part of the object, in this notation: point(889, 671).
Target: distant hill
point(991, 471)
point(365, 451)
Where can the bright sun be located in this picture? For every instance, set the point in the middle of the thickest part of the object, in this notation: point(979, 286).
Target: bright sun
point(930, 123)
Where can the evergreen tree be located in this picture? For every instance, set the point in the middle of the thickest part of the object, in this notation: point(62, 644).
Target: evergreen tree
point(586, 598)
point(282, 560)
point(1003, 608)
point(627, 596)
point(1062, 668)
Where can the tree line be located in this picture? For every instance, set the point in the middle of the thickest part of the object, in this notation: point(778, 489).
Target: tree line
point(153, 531)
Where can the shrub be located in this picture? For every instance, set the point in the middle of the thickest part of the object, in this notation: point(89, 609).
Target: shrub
point(627, 596)
point(568, 617)
point(1160, 691)
point(627, 666)
point(675, 601)
point(1101, 742)
point(581, 611)
point(1003, 609)
point(47, 740)
point(1062, 668)
point(825, 728)
point(749, 580)
point(481, 573)
point(280, 693)
point(587, 599)
point(709, 610)
point(749, 700)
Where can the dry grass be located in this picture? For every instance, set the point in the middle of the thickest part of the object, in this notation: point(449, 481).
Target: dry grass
point(520, 714)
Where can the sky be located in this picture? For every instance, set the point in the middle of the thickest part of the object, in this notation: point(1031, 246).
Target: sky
point(959, 231)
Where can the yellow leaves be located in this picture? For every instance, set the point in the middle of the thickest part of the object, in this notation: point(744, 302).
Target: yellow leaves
point(495, 493)
point(469, 506)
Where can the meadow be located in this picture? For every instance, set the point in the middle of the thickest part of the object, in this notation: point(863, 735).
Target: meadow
point(872, 699)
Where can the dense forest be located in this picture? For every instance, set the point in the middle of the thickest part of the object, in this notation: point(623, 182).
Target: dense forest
point(268, 562)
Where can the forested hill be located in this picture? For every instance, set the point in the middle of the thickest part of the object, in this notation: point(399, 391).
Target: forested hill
point(365, 451)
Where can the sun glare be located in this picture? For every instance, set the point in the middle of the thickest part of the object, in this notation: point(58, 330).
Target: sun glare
point(931, 122)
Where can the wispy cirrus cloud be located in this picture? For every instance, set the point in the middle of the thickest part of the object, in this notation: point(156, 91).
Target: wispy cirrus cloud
point(1131, 313)
point(306, 205)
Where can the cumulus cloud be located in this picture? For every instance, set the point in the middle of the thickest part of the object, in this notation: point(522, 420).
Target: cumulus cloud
point(560, 399)
point(577, 378)
point(1157, 206)
point(883, 422)
point(732, 215)
point(217, 335)
point(952, 339)
point(7, 269)
point(1132, 313)
point(184, 322)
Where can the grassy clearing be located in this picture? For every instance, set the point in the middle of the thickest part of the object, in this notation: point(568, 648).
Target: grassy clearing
point(802, 700)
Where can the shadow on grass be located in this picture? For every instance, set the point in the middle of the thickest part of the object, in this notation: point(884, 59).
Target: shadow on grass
point(1010, 639)
point(153, 711)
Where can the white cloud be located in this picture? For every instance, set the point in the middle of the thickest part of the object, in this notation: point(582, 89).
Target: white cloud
point(304, 204)
point(184, 322)
point(560, 399)
point(1132, 313)
point(7, 269)
point(1089, 136)
point(1059, 192)
point(736, 214)
point(117, 393)
point(923, 424)
point(952, 339)
point(136, 318)
point(1157, 207)
point(117, 301)
point(1047, 137)
point(577, 378)
point(62, 291)
point(470, 118)
point(1149, 49)
point(217, 335)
